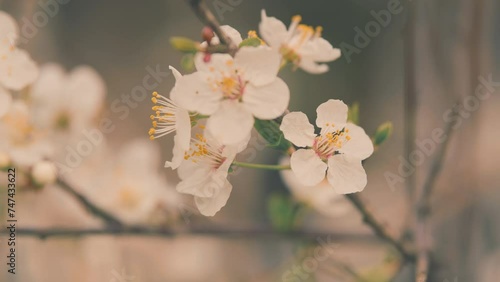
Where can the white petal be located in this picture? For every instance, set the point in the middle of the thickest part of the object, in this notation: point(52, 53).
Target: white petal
point(231, 124)
point(308, 167)
point(193, 93)
point(332, 111)
point(346, 174)
point(321, 197)
point(86, 90)
point(209, 206)
point(272, 30)
point(319, 50)
point(18, 70)
point(5, 101)
point(178, 153)
point(183, 128)
point(360, 145)
point(297, 129)
point(232, 33)
point(269, 101)
point(312, 67)
point(259, 65)
point(175, 72)
point(49, 84)
point(9, 31)
point(217, 62)
point(196, 179)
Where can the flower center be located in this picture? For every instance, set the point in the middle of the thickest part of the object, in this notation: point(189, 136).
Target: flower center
point(62, 121)
point(328, 143)
point(204, 153)
point(232, 86)
point(128, 197)
point(298, 35)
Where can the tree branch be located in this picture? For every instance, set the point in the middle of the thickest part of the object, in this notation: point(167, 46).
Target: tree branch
point(379, 229)
point(203, 13)
point(194, 231)
point(93, 209)
point(423, 205)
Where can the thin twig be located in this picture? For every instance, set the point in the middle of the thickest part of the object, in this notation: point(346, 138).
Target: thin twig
point(201, 10)
point(379, 229)
point(193, 231)
point(93, 209)
point(423, 206)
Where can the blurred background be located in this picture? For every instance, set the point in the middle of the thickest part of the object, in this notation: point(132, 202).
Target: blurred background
point(426, 59)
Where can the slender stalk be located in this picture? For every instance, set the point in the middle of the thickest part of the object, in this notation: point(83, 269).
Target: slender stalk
point(379, 229)
point(262, 166)
point(201, 10)
point(93, 209)
point(194, 231)
point(423, 207)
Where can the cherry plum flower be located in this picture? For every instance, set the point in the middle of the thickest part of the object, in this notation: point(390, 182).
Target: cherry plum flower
point(204, 172)
point(232, 91)
point(300, 44)
point(337, 151)
point(17, 69)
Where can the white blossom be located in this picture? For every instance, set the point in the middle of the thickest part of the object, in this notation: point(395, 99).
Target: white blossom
point(337, 151)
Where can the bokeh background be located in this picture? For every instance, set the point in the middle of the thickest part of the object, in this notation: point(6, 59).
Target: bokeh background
point(439, 59)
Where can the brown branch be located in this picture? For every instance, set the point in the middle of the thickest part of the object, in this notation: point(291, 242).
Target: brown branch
point(207, 17)
point(379, 229)
point(194, 231)
point(423, 205)
point(93, 209)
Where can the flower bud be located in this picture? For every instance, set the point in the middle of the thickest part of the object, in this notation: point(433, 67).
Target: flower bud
point(207, 34)
point(44, 173)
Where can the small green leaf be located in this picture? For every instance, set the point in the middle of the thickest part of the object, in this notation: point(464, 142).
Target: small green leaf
point(270, 130)
point(184, 44)
point(383, 133)
point(252, 42)
point(187, 62)
point(353, 114)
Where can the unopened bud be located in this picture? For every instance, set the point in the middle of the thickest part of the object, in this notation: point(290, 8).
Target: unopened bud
point(207, 34)
point(44, 173)
point(207, 58)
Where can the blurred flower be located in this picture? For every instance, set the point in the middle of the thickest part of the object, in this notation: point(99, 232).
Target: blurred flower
point(44, 173)
point(134, 190)
point(204, 173)
point(233, 91)
point(17, 70)
point(4, 160)
point(21, 140)
point(321, 197)
point(300, 44)
point(169, 117)
point(340, 148)
point(65, 104)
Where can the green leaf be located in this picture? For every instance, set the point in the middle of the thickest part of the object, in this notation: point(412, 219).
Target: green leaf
point(184, 44)
point(252, 42)
point(353, 114)
point(383, 133)
point(187, 62)
point(270, 130)
point(283, 212)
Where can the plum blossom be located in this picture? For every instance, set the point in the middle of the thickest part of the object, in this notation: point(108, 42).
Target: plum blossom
point(133, 189)
point(337, 151)
point(300, 44)
point(64, 104)
point(204, 173)
point(232, 91)
point(17, 69)
point(170, 117)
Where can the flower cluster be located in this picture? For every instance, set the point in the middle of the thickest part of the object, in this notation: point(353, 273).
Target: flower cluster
point(228, 94)
point(55, 110)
